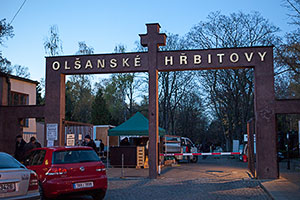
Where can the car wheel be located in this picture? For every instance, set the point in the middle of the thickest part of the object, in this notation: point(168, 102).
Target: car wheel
point(99, 195)
point(194, 159)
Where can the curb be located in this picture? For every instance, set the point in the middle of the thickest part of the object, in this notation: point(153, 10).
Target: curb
point(265, 189)
point(261, 185)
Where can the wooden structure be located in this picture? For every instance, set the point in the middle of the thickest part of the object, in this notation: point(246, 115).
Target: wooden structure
point(78, 129)
point(133, 156)
point(101, 132)
point(140, 156)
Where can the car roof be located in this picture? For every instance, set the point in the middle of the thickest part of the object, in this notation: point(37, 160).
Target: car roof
point(4, 153)
point(64, 148)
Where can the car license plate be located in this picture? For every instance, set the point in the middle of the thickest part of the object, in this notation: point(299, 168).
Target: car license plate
point(83, 185)
point(7, 187)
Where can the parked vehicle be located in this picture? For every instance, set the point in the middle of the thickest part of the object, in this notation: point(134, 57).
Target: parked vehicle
point(241, 150)
point(68, 170)
point(218, 149)
point(177, 144)
point(16, 181)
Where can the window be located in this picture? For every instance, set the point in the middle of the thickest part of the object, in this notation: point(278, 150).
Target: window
point(35, 158)
point(19, 99)
point(6, 161)
point(74, 156)
point(172, 139)
point(24, 122)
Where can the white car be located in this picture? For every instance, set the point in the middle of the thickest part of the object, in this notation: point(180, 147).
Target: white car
point(16, 181)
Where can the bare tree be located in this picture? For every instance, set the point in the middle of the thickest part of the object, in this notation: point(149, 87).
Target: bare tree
point(172, 87)
point(84, 49)
point(288, 56)
point(230, 92)
point(21, 71)
point(294, 7)
point(6, 31)
point(127, 85)
point(53, 44)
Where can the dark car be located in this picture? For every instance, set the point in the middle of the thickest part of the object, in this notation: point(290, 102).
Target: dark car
point(68, 170)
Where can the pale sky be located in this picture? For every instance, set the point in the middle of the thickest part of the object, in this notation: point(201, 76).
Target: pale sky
point(104, 24)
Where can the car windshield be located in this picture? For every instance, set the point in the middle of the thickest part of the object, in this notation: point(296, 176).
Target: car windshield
point(7, 161)
point(74, 156)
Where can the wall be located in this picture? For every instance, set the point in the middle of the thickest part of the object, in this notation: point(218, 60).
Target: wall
point(101, 133)
point(30, 89)
point(3, 91)
point(40, 132)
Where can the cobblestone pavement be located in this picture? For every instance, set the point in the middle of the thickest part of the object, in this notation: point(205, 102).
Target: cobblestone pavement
point(207, 179)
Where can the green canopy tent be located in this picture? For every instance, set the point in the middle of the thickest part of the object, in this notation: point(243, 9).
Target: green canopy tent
point(137, 125)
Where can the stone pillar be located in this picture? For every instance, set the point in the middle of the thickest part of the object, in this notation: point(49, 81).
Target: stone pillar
point(265, 123)
point(55, 101)
point(153, 39)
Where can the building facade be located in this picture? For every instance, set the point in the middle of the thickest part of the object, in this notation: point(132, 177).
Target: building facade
point(17, 91)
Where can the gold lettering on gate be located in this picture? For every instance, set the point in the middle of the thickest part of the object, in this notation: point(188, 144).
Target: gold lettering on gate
point(55, 65)
point(100, 63)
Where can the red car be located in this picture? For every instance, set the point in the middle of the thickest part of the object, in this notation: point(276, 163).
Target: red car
point(68, 170)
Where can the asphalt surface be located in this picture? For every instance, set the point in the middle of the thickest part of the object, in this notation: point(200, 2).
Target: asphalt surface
point(212, 178)
point(207, 179)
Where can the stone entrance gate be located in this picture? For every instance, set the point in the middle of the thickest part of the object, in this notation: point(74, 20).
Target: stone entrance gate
point(154, 61)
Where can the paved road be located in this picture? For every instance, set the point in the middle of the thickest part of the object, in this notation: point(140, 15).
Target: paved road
point(208, 179)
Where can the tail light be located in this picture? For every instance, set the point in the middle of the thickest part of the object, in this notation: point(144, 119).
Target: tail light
point(100, 168)
point(186, 149)
point(56, 171)
point(33, 182)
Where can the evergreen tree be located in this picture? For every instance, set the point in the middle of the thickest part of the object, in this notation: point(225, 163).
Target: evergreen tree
point(100, 113)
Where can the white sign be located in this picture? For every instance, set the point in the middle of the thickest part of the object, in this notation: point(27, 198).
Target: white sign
point(80, 137)
point(235, 145)
point(70, 142)
point(52, 131)
point(50, 143)
point(246, 138)
point(70, 136)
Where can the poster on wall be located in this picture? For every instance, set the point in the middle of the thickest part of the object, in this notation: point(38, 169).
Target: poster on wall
point(70, 139)
point(235, 145)
point(50, 143)
point(52, 131)
point(70, 142)
point(246, 138)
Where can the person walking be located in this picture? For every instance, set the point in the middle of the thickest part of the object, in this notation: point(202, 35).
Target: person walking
point(32, 144)
point(89, 142)
point(37, 144)
point(19, 151)
point(101, 148)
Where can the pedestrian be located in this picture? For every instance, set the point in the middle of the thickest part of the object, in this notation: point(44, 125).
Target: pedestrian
point(37, 144)
point(19, 151)
point(205, 150)
point(124, 142)
point(89, 142)
point(101, 148)
point(32, 144)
